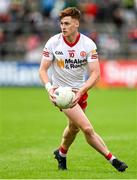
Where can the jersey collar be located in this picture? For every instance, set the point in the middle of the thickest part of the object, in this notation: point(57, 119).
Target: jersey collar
point(73, 43)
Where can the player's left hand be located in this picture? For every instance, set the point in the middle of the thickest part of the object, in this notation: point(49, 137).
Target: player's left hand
point(77, 97)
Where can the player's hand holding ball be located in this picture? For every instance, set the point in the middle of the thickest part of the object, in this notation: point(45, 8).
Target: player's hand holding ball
point(50, 89)
point(77, 97)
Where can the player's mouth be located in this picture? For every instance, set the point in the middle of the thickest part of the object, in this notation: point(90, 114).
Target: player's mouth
point(64, 32)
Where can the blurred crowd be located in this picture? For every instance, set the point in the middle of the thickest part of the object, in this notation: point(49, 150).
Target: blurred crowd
point(25, 26)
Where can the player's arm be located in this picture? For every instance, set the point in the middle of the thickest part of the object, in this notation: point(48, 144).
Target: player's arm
point(45, 64)
point(94, 75)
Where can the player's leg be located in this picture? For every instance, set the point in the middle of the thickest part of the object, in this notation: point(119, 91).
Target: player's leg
point(79, 118)
point(72, 129)
point(69, 135)
point(101, 140)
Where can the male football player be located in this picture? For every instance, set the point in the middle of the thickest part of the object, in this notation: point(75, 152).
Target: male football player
point(70, 54)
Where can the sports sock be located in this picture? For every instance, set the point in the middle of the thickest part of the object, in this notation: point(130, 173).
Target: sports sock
point(62, 152)
point(110, 157)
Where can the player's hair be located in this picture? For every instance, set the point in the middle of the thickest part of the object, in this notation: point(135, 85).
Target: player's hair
point(70, 11)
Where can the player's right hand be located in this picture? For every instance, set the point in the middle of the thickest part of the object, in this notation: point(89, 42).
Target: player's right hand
point(51, 95)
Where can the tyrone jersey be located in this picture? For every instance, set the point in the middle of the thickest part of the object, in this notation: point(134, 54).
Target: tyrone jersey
point(69, 60)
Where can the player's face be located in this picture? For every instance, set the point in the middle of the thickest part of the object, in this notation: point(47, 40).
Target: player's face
point(69, 25)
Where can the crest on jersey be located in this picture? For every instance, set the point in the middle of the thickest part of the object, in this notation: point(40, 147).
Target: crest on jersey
point(83, 54)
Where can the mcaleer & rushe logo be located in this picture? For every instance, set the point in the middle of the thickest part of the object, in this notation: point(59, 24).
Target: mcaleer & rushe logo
point(71, 63)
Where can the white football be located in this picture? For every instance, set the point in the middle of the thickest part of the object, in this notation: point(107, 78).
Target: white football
point(64, 97)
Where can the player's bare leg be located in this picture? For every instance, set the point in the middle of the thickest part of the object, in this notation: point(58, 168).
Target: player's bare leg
point(69, 135)
point(79, 118)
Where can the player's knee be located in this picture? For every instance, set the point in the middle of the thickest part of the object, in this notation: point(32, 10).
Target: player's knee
point(88, 131)
point(73, 129)
point(76, 130)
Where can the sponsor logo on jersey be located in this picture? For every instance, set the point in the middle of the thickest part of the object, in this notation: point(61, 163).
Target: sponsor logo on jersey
point(74, 63)
point(58, 52)
point(71, 63)
point(60, 63)
point(72, 50)
point(83, 54)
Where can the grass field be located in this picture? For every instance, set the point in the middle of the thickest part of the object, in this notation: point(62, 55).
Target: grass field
point(31, 128)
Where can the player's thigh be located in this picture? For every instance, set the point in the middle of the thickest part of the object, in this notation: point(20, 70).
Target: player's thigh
point(78, 117)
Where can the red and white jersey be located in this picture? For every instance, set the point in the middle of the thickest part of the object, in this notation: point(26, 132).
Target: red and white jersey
point(69, 59)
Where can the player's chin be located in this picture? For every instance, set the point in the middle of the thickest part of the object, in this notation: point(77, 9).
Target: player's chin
point(65, 33)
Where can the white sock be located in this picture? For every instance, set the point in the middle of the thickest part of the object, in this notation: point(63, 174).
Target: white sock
point(62, 154)
point(111, 159)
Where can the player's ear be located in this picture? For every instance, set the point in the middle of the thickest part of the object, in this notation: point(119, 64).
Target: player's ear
point(77, 23)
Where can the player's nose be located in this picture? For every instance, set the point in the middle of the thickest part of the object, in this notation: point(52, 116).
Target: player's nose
point(63, 26)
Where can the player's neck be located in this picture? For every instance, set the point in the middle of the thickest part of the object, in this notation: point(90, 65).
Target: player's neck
point(72, 38)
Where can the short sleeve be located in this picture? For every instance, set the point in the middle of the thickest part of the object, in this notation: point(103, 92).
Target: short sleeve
point(92, 55)
point(47, 51)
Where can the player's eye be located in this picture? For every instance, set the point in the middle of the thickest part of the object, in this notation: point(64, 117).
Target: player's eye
point(66, 23)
